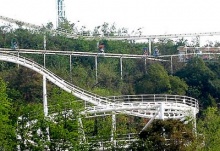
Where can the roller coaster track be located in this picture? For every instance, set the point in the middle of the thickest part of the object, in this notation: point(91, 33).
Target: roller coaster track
point(118, 37)
point(151, 106)
point(76, 53)
point(147, 106)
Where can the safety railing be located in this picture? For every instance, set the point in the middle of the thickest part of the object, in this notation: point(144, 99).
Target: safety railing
point(156, 99)
point(89, 96)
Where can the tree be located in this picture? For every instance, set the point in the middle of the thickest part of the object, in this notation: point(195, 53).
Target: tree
point(156, 81)
point(209, 129)
point(178, 86)
point(7, 131)
point(28, 83)
point(198, 77)
point(166, 135)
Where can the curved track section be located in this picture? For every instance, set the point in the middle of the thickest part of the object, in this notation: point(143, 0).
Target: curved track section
point(148, 106)
point(76, 91)
point(162, 106)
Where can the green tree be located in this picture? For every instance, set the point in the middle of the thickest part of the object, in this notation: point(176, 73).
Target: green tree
point(156, 81)
point(7, 131)
point(28, 83)
point(167, 135)
point(198, 77)
point(208, 128)
point(178, 86)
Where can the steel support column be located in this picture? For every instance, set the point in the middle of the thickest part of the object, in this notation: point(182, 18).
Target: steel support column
point(71, 68)
point(199, 40)
point(45, 96)
point(81, 130)
point(149, 42)
point(145, 65)
point(194, 120)
point(149, 122)
point(96, 69)
point(171, 64)
point(161, 115)
point(113, 128)
point(45, 47)
point(18, 57)
point(121, 68)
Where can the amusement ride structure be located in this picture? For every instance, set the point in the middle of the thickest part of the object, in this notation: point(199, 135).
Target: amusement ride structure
point(60, 12)
point(149, 106)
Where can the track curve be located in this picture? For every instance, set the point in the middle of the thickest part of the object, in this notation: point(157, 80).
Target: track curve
point(147, 106)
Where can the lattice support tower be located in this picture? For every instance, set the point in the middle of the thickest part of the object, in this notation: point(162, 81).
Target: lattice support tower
point(60, 12)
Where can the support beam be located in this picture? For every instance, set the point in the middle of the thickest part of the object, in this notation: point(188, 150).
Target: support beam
point(96, 69)
point(44, 60)
point(45, 96)
point(121, 68)
point(145, 65)
point(171, 65)
point(198, 40)
point(149, 42)
point(60, 12)
point(113, 128)
point(18, 57)
point(45, 47)
point(194, 121)
point(149, 122)
point(71, 68)
point(81, 130)
point(161, 114)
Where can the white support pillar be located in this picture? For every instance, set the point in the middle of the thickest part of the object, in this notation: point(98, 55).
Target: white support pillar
point(18, 57)
point(149, 122)
point(113, 128)
point(44, 60)
point(45, 96)
point(149, 41)
point(194, 120)
point(145, 65)
point(71, 68)
point(96, 69)
point(45, 42)
point(45, 45)
point(121, 68)
point(171, 65)
point(199, 41)
point(161, 115)
point(81, 130)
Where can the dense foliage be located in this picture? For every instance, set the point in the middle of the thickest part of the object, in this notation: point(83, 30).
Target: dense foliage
point(21, 94)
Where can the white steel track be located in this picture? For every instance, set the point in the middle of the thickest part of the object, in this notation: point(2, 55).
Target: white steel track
point(118, 37)
point(76, 91)
point(148, 106)
point(77, 53)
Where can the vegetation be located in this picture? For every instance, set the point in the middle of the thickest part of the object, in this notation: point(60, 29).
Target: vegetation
point(22, 121)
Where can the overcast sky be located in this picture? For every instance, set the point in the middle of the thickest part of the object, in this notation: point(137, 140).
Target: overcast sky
point(154, 16)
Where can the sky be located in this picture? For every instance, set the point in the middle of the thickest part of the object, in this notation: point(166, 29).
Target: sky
point(153, 16)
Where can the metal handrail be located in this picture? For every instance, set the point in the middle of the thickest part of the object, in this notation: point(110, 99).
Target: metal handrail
point(129, 104)
point(192, 102)
point(72, 88)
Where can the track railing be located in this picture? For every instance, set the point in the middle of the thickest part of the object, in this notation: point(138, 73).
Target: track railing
point(77, 91)
point(147, 105)
point(174, 106)
point(156, 99)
